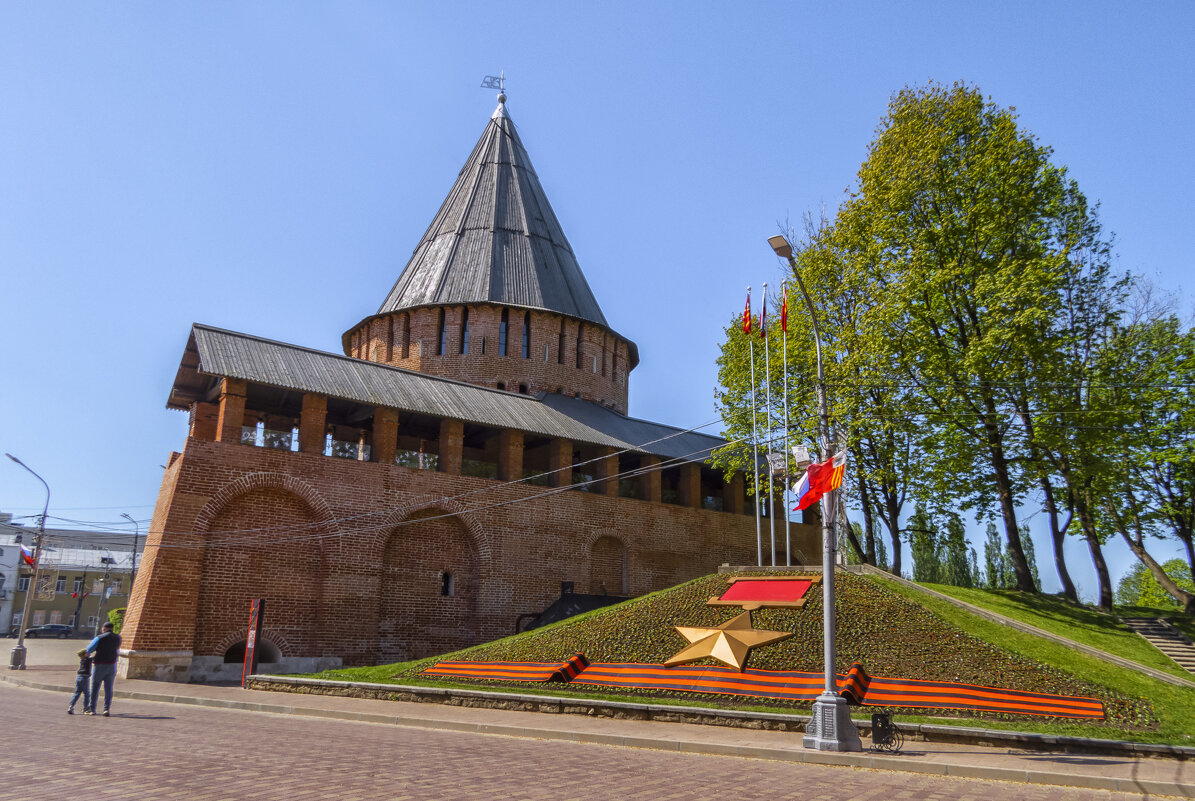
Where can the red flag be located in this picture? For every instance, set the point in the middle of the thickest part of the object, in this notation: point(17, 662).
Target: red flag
point(784, 309)
point(819, 479)
point(763, 322)
point(747, 314)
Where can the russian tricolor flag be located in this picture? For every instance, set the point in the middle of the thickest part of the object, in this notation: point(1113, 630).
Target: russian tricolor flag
point(27, 555)
point(819, 479)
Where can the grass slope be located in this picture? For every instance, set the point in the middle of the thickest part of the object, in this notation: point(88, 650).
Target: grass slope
point(1080, 623)
point(893, 630)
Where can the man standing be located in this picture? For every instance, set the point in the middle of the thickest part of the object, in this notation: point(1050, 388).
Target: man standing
point(104, 649)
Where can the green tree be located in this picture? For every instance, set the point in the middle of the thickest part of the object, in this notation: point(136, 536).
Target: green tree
point(956, 569)
point(1138, 587)
point(963, 227)
point(1031, 557)
point(996, 566)
point(1150, 491)
point(926, 547)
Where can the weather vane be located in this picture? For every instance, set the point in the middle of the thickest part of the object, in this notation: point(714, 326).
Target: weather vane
point(495, 82)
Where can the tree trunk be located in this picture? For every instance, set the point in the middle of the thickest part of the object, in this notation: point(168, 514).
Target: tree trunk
point(1087, 523)
point(868, 530)
point(893, 522)
point(1058, 535)
point(1008, 510)
point(845, 522)
point(1136, 544)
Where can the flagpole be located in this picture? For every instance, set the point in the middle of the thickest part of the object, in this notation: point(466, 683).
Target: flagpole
point(755, 456)
point(788, 547)
point(767, 409)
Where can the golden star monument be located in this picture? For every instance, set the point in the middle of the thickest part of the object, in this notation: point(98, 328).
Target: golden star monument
point(729, 643)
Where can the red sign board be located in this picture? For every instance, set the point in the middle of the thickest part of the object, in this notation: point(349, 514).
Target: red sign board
point(257, 608)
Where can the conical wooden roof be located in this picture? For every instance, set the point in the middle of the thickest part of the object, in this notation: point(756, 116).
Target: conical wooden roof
point(496, 239)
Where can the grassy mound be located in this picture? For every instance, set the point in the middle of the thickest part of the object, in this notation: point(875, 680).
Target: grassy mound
point(892, 635)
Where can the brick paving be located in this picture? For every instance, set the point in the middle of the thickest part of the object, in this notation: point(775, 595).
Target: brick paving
point(149, 750)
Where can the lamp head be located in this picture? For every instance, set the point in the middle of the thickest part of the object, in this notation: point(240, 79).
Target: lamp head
point(781, 246)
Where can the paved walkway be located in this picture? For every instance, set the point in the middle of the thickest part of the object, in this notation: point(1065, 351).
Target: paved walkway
point(920, 763)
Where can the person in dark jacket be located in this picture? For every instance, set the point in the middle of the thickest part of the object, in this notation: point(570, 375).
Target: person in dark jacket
point(103, 649)
point(82, 677)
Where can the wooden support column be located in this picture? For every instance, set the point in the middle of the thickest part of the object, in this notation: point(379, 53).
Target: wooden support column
point(649, 479)
point(607, 469)
point(733, 494)
point(232, 410)
point(560, 462)
point(690, 485)
point(510, 455)
point(205, 418)
point(385, 434)
point(312, 420)
point(452, 440)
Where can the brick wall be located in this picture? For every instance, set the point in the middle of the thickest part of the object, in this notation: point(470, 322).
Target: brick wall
point(551, 366)
point(369, 587)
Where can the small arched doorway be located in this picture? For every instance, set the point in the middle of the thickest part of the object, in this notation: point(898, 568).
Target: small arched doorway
point(428, 588)
point(608, 566)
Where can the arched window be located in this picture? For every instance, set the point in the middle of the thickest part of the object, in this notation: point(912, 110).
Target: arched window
point(580, 340)
point(560, 344)
point(524, 389)
point(502, 328)
point(464, 331)
point(526, 335)
point(442, 336)
point(502, 385)
point(447, 584)
point(406, 335)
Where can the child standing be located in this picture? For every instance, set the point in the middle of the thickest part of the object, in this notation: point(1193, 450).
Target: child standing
point(82, 679)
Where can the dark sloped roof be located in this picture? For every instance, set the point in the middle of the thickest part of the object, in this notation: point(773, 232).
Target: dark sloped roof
point(496, 239)
point(216, 352)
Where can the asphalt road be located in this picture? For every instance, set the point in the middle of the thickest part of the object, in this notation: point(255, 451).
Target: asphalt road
point(149, 750)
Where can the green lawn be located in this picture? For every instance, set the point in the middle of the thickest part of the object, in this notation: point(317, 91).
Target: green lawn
point(1174, 706)
point(1082, 624)
point(898, 639)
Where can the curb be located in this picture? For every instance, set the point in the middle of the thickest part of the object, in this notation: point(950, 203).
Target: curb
point(809, 757)
point(555, 704)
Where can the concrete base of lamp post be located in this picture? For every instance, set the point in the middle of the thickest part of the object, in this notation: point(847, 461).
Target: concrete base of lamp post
point(17, 660)
point(830, 728)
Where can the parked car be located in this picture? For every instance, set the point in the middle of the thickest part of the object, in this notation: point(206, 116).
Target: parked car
point(50, 630)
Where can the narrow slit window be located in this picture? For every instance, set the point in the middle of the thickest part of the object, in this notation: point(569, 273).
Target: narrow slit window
point(464, 332)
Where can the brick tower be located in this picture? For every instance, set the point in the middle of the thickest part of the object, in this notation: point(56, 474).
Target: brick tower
point(468, 453)
point(492, 278)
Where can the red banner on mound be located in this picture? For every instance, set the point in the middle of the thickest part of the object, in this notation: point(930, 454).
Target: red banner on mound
point(855, 685)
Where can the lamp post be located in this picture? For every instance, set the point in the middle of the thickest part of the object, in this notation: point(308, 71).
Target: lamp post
point(17, 659)
point(136, 537)
point(830, 728)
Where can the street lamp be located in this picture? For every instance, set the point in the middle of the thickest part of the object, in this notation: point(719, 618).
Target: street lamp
point(136, 536)
point(17, 659)
point(830, 728)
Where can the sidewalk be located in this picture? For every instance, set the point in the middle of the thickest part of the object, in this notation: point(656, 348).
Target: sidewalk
point(1152, 776)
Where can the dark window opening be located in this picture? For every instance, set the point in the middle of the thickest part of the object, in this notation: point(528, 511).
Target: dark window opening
point(502, 385)
point(464, 331)
point(524, 389)
point(502, 328)
point(266, 652)
point(560, 344)
point(406, 335)
point(447, 584)
point(580, 339)
point(526, 335)
point(483, 346)
point(442, 338)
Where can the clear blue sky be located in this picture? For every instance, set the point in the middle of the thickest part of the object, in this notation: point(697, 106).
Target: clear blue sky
point(269, 167)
